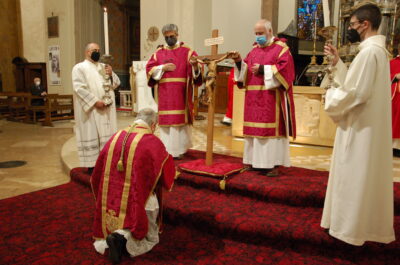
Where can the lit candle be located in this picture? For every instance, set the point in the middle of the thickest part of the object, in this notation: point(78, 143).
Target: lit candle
point(394, 18)
point(325, 8)
point(106, 44)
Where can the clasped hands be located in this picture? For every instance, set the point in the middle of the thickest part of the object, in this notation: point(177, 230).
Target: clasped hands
point(170, 67)
point(235, 56)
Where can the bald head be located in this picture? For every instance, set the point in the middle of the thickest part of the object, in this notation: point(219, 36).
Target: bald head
point(89, 49)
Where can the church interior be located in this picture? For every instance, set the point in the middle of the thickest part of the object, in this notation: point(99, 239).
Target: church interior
point(38, 153)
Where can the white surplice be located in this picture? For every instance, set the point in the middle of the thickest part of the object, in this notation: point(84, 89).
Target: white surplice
point(359, 198)
point(93, 127)
point(264, 152)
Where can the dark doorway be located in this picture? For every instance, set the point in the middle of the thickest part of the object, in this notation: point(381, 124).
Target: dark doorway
point(133, 11)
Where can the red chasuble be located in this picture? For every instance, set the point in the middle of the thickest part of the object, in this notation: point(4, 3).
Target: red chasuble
point(269, 113)
point(174, 90)
point(121, 196)
point(395, 69)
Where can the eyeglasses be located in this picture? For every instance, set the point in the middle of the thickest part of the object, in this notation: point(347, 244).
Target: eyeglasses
point(351, 24)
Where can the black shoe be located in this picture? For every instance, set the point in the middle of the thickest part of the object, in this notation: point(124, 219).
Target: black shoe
point(180, 157)
point(90, 170)
point(116, 244)
point(396, 152)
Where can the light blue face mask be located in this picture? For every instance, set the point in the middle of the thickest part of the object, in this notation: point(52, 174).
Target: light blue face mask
point(261, 39)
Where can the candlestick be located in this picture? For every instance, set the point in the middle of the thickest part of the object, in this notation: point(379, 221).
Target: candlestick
point(106, 43)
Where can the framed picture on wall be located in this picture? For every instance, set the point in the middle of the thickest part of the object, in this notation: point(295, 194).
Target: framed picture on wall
point(52, 27)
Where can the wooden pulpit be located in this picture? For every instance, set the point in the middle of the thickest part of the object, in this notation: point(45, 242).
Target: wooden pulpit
point(26, 72)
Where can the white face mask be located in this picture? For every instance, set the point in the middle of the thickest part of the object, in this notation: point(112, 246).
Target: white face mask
point(37, 83)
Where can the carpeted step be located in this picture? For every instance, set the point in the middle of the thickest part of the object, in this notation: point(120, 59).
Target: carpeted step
point(294, 186)
point(54, 226)
point(253, 221)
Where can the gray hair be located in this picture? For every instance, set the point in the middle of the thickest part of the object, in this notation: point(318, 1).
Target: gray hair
point(268, 25)
point(147, 115)
point(169, 27)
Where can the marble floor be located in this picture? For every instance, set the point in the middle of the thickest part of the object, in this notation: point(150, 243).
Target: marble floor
point(50, 152)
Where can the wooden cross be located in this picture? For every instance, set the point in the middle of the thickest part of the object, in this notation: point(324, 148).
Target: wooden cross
point(213, 42)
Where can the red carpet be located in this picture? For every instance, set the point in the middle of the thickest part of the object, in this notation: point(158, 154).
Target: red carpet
point(256, 220)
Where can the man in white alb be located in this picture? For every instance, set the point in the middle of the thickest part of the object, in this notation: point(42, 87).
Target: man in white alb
point(359, 198)
point(96, 121)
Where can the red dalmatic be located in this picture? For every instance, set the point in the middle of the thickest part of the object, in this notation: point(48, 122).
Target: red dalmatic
point(174, 90)
point(121, 195)
point(269, 113)
point(395, 69)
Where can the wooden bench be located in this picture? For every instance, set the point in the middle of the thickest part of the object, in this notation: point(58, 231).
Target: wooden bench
point(56, 107)
point(14, 105)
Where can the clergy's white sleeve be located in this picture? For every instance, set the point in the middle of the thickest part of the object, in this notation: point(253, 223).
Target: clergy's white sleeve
point(157, 73)
point(85, 98)
point(269, 78)
point(240, 76)
point(353, 88)
point(116, 81)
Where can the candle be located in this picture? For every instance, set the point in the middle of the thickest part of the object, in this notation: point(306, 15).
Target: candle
point(315, 24)
point(394, 18)
point(325, 8)
point(106, 44)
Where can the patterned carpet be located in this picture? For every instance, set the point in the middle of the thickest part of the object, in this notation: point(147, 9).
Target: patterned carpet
point(256, 220)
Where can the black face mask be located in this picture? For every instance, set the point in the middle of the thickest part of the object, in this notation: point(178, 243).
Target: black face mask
point(353, 36)
point(171, 41)
point(95, 56)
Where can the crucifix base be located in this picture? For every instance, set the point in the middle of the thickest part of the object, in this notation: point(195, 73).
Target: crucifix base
point(219, 169)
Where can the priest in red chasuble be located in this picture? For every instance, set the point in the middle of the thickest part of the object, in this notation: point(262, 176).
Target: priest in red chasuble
point(395, 77)
point(173, 71)
point(127, 182)
point(267, 74)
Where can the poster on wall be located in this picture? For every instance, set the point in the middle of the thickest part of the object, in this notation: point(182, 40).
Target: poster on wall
point(54, 65)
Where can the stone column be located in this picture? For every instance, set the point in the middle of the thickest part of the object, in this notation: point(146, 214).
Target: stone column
point(270, 11)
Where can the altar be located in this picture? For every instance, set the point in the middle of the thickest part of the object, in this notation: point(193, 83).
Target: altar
point(313, 125)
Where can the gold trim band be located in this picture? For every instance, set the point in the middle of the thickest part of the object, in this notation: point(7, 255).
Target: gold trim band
point(254, 87)
point(169, 80)
point(106, 182)
point(127, 183)
point(171, 112)
point(260, 125)
point(279, 76)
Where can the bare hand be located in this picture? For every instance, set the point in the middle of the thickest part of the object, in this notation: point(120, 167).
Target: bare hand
point(100, 105)
point(169, 67)
point(43, 94)
point(255, 68)
point(397, 76)
point(108, 69)
point(235, 55)
point(330, 50)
